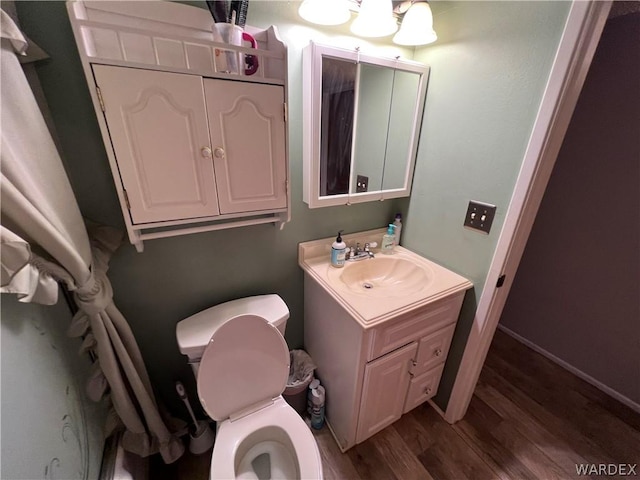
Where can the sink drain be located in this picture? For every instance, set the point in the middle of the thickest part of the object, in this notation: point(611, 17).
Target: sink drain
point(367, 285)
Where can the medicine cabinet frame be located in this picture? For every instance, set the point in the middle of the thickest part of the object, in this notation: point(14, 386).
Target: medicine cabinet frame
point(313, 55)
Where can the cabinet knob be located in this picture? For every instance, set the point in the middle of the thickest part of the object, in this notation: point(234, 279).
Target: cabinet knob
point(206, 152)
point(427, 391)
point(438, 352)
point(414, 363)
point(218, 152)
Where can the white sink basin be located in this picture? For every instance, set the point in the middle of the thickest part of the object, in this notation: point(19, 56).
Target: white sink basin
point(383, 276)
point(376, 289)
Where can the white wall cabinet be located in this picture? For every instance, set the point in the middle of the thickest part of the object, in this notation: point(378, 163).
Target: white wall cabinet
point(191, 146)
point(159, 131)
point(374, 375)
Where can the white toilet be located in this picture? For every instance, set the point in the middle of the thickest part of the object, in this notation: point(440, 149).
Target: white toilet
point(241, 361)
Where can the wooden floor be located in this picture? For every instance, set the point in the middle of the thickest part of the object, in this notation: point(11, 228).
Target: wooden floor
point(529, 419)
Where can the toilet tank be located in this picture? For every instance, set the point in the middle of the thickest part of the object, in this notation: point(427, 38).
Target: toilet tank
point(193, 333)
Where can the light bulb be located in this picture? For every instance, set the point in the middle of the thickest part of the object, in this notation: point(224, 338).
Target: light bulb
point(417, 26)
point(375, 19)
point(325, 12)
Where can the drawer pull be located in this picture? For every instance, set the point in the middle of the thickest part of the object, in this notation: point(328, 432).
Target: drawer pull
point(427, 391)
point(438, 352)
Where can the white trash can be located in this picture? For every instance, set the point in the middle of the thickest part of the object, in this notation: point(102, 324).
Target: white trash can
point(300, 376)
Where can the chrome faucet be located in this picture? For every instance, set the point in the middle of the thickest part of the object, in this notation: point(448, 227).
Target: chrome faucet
point(357, 254)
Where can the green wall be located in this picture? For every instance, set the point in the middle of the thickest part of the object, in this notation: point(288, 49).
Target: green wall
point(177, 277)
point(46, 413)
point(489, 69)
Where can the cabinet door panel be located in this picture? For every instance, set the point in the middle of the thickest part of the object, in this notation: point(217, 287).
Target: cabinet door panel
point(158, 127)
point(248, 137)
point(384, 390)
point(422, 388)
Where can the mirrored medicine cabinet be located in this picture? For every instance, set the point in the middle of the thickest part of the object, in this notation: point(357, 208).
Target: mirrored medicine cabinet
point(361, 120)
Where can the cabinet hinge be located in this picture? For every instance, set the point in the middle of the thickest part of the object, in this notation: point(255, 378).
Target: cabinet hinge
point(126, 199)
point(500, 280)
point(285, 111)
point(100, 98)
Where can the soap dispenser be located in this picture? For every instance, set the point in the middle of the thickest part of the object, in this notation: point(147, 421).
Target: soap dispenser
point(338, 251)
point(389, 240)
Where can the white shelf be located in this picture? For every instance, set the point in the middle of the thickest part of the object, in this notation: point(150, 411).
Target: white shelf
point(169, 37)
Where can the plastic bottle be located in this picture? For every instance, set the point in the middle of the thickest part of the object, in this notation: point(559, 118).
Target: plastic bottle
point(317, 405)
point(398, 223)
point(315, 383)
point(338, 251)
point(388, 240)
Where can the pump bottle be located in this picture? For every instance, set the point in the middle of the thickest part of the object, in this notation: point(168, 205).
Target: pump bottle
point(389, 240)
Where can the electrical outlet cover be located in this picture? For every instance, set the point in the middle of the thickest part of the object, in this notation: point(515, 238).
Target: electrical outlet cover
point(480, 216)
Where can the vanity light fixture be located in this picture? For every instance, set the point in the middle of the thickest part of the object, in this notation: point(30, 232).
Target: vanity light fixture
point(325, 12)
point(375, 19)
point(417, 26)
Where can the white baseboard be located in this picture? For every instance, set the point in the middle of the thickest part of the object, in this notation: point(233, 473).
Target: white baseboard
point(578, 373)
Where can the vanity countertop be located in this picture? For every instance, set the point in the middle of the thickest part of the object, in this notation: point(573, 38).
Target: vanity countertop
point(375, 290)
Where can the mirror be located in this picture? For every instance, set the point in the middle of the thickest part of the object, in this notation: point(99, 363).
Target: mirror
point(336, 136)
point(375, 89)
point(362, 116)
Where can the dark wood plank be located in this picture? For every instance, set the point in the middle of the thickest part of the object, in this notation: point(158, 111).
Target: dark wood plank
point(397, 455)
point(476, 429)
point(556, 425)
point(415, 430)
point(547, 372)
point(556, 448)
point(335, 464)
point(538, 380)
point(368, 462)
point(450, 457)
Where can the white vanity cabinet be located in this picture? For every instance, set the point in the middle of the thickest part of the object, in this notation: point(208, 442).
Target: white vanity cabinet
point(374, 375)
point(192, 147)
point(189, 147)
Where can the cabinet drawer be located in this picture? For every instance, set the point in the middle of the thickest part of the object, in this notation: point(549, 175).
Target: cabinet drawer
point(414, 325)
point(422, 388)
point(433, 349)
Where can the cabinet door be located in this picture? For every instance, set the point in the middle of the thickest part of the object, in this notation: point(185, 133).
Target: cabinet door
point(248, 137)
point(158, 126)
point(423, 387)
point(383, 394)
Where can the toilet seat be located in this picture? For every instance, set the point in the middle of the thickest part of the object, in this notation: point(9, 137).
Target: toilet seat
point(243, 371)
point(238, 440)
point(243, 368)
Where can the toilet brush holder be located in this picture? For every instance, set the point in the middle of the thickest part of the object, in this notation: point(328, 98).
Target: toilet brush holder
point(202, 439)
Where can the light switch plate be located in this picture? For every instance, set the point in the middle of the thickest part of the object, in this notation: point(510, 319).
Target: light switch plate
point(362, 184)
point(480, 216)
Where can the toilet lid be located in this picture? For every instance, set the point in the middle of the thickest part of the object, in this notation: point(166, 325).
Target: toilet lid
point(245, 362)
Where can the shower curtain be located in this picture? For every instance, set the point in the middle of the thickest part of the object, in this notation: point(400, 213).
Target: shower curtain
point(44, 241)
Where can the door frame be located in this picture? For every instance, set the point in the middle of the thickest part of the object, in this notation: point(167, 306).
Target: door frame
point(577, 46)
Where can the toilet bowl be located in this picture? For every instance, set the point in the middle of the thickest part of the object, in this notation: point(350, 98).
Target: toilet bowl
point(241, 372)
